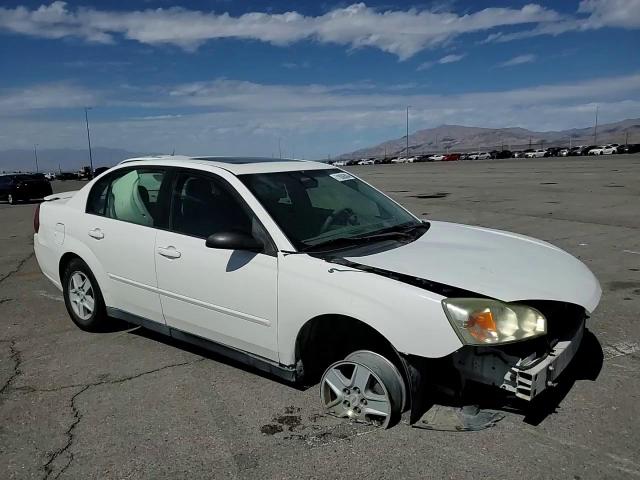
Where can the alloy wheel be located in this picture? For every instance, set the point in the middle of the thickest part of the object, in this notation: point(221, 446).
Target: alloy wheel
point(359, 392)
point(81, 295)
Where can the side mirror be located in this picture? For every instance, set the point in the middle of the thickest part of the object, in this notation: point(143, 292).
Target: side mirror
point(234, 241)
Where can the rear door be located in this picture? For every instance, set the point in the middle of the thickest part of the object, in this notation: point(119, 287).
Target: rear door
point(228, 296)
point(125, 208)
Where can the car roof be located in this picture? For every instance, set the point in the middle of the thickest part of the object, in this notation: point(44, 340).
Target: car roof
point(235, 165)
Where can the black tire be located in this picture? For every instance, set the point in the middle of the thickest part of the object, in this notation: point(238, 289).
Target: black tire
point(97, 320)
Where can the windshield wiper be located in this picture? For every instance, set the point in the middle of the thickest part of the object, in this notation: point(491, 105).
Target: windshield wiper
point(401, 229)
point(396, 232)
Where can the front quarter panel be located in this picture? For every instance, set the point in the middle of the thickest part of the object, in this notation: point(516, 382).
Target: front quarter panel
point(410, 318)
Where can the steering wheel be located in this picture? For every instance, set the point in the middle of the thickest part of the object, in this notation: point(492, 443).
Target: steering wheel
point(345, 215)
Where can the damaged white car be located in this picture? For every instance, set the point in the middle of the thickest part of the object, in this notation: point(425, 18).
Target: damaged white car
point(302, 270)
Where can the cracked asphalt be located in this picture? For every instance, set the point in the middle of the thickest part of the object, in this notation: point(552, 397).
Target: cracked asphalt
point(131, 404)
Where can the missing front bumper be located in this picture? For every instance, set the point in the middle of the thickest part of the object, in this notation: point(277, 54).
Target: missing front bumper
point(529, 380)
point(517, 370)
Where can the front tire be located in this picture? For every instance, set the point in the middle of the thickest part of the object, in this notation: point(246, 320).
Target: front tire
point(364, 387)
point(82, 297)
point(12, 199)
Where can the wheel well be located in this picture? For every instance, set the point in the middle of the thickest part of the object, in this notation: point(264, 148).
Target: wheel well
point(328, 338)
point(64, 261)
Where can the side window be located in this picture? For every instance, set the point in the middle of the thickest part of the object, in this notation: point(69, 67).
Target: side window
point(202, 206)
point(131, 196)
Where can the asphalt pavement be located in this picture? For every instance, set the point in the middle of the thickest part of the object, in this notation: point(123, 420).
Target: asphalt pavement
point(131, 404)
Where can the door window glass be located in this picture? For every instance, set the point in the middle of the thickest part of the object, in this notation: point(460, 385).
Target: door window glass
point(131, 196)
point(203, 206)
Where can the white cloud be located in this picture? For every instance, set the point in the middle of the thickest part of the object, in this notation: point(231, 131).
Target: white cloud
point(50, 96)
point(600, 14)
point(519, 60)
point(451, 58)
point(444, 60)
point(611, 13)
point(400, 32)
point(236, 117)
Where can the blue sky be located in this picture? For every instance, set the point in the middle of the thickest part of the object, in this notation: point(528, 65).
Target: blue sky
point(233, 77)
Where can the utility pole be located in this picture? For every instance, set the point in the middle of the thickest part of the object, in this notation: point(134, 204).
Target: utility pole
point(529, 142)
point(280, 148)
point(626, 137)
point(86, 119)
point(35, 153)
point(407, 154)
point(595, 128)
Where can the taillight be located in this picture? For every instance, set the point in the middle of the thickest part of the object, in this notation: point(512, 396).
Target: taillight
point(36, 219)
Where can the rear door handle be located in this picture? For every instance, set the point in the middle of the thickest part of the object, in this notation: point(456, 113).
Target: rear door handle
point(96, 233)
point(169, 252)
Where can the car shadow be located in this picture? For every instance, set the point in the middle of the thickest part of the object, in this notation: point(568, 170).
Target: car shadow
point(210, 355)
point(238, 259)
point(586, 365)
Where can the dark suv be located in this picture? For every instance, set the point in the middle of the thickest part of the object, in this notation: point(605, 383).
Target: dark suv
point(23, 186)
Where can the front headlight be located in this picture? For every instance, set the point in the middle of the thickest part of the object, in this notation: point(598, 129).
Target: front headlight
point(479, 321)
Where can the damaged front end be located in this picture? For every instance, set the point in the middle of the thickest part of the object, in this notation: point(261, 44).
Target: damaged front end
point(515, 371)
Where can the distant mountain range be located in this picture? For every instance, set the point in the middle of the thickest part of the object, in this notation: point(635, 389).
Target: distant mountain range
point(461, 138)
point(65, 159)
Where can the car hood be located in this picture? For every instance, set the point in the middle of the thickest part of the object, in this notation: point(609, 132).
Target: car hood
point(493, 263)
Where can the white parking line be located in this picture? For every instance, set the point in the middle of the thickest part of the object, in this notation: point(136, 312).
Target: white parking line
point(631, 251)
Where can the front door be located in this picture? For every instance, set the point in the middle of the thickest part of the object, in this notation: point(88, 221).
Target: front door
point(228, 296)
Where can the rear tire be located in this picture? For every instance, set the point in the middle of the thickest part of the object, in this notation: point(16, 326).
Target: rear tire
point(82, 297)
point(11, 199)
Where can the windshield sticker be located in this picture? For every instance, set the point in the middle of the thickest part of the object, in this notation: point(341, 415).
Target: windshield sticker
point(342, 176)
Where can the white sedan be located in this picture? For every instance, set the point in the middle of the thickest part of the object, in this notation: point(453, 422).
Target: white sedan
point(304, 271)
point(535, 154)
point(604, 150)
point(437, 157)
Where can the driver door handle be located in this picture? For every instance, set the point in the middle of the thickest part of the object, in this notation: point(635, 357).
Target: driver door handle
point(169, 252)
point(96, 233)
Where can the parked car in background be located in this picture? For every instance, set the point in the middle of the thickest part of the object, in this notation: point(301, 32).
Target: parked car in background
point(553, 152)
point(50, 176)
point(437, 157)
point(304, 271)
point(523, 153)
point(450, 157)
point(501, 154)
point(67, 176)
point(585, 149)
point(23, 187)
point(563, 152)
point(100, 171)
point(603, 150)
point(629, 148)
point(575, 151)
point(539, 153)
